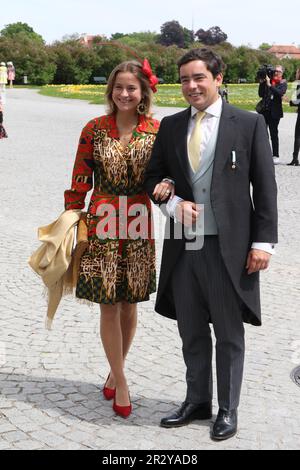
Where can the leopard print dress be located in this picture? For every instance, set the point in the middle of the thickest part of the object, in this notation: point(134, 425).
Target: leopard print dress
point(119, 264)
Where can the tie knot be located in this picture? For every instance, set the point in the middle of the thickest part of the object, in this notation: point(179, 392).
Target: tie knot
point(200, 115)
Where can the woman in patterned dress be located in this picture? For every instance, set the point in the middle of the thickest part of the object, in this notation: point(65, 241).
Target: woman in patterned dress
point(3, 133)
point(118, 268)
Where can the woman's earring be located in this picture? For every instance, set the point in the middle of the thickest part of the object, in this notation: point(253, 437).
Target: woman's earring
point(141, 108)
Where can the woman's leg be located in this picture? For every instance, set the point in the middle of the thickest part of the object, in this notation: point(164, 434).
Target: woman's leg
point(128, 325)
point(112, 340)
point(128, 322)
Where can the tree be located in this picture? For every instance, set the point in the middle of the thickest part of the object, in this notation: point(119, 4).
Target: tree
point(264, 46)
point(242, 63)
point(188, 38)
point(172, 33)
point(13, 29)
point(290, 66)
point(107, 58)
point(212, 36)
point(116, 36)
point(146, 37)
point(30, 58)
point(164, 61)
point(71, 37)
point(74, 62)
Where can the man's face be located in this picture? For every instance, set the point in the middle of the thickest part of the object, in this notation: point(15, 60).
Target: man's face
point(199, 87)
point(278, 73)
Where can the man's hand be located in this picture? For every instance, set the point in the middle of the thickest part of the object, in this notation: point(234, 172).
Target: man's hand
point(258, 260)
point(268, 81)
point(186, 212)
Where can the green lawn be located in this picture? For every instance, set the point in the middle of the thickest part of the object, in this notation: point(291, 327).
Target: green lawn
point(243, 96)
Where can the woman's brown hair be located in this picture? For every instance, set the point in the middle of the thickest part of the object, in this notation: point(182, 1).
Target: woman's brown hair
point(135, 68)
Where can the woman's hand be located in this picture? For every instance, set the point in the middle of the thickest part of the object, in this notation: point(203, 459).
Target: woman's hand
point(163, 190)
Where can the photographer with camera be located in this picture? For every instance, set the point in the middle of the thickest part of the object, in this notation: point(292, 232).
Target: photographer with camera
point(272, 88)
point(296, 102)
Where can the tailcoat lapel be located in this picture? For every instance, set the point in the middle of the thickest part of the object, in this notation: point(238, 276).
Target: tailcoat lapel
point(226, 141)
point(180, 139)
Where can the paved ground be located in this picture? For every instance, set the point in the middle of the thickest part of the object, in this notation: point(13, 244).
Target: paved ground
point(50, 381)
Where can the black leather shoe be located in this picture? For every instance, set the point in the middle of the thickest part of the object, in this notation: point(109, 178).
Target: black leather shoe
point(187, 413)
point(225, 425)
point(294, 162)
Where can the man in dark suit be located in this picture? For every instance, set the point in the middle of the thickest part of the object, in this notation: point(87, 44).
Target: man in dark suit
point(272, 90)
point(296, 102)
point(233, 186)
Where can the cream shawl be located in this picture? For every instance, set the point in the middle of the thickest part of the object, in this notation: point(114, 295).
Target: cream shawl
point(54, 259)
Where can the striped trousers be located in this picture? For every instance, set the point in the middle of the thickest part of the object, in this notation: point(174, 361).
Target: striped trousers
point(204, 294)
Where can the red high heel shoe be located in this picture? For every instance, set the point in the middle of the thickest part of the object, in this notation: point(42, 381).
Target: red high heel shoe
point(123, 411)
point(108, 393)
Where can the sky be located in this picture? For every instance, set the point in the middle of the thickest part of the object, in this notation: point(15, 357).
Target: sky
point(249, 22)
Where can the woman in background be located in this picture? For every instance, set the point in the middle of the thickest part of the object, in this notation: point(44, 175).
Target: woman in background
point(11, 73)
point(3, 76)
point(3, 133)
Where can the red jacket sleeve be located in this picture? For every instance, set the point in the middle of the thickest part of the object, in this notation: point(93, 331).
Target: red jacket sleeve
point(82, 177)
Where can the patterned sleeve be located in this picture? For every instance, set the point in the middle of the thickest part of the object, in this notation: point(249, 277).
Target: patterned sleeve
point(82, 177)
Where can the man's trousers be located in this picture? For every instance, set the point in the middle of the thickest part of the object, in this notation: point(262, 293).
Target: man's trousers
point(203, 293)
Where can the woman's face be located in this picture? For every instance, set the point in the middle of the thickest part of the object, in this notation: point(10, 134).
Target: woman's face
point(127, 92)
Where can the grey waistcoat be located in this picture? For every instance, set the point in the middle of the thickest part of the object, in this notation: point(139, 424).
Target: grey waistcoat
point(201, 183)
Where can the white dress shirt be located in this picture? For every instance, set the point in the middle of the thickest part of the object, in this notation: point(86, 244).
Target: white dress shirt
point(208, 125)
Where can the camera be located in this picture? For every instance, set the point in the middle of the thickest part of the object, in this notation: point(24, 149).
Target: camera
point(264, 71)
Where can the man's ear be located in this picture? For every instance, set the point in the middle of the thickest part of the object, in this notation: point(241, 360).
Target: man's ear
point(219, 79)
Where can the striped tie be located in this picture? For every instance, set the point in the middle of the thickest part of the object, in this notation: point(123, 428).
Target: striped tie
point(195, 142)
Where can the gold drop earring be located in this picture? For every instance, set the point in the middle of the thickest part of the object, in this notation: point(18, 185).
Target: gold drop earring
point(141, 108)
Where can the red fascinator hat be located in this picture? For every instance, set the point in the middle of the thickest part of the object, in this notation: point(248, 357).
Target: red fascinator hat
point(146, 69)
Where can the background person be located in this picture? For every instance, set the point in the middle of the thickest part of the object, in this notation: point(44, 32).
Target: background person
point(3, 133)
point(272, 91)
point(296, 102)
point(11, 73)
point(3, 76)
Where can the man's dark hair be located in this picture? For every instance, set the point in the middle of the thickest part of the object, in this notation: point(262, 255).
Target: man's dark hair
point(213, 62)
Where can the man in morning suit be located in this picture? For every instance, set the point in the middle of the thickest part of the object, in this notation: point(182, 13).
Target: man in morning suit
point(231, 178)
